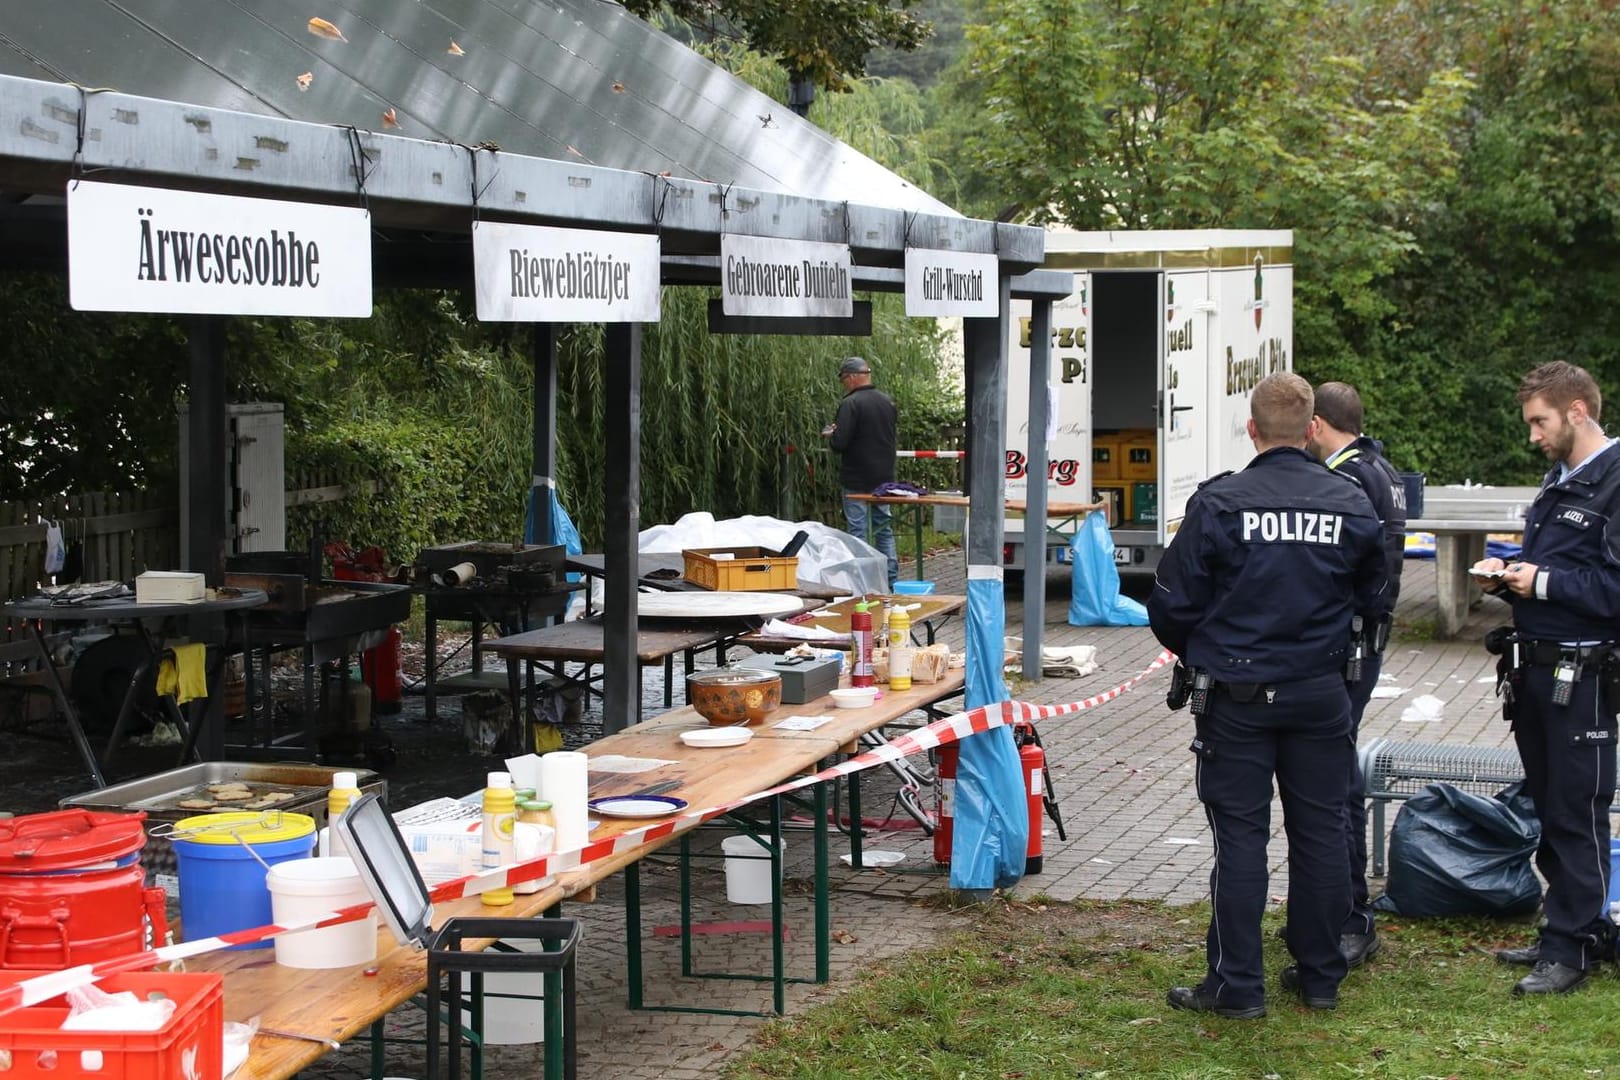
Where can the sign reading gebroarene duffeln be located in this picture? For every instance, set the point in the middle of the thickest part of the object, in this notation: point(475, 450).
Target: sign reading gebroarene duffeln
point(770, 276)
point(537, 273)
point(951, 283)
point(184, 252)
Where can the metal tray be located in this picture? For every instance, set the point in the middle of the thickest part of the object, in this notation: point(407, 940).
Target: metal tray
point(159, 794)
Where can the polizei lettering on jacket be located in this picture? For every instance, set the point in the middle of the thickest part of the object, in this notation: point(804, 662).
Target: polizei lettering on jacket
point(210, 258)
point(799, 279)
point(1291, 527)
point(943, 283)
point(577, 275)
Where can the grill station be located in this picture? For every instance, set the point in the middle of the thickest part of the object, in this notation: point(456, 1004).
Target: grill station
point(507, 586)
point(326, 620)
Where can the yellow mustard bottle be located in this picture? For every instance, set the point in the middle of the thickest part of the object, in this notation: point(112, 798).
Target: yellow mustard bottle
point(899, 649)
point(500, 814)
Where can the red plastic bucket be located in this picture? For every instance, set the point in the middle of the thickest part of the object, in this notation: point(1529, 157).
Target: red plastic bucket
point(72, 890)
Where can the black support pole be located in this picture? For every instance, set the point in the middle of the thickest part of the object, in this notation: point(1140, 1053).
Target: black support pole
point(621, 673)
point(543, 354)
point(207, 455)
point(1040, 392)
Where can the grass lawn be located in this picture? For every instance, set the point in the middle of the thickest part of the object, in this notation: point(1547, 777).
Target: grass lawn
point(1050, 990)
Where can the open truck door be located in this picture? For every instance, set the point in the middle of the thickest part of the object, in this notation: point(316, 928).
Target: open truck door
point(1184, 414)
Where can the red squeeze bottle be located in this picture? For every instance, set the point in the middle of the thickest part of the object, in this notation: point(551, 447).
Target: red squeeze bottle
point(860, 630)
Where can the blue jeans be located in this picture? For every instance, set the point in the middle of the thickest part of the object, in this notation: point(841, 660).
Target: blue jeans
point(882, 536)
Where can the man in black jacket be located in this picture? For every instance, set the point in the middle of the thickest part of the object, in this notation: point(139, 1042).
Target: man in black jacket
point(1341, 447)
point(1559, 672)
point(864, 435)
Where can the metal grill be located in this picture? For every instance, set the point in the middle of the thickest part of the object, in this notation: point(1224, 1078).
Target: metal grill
point(1398, 770)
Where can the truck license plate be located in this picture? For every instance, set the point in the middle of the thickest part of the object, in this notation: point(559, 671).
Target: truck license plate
point(1122, 555)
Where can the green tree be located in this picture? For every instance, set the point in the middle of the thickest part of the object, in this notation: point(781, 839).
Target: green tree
point(826, 41)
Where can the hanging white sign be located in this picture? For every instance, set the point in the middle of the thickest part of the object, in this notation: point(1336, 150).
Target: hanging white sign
point(770, 276)
point(184, 252)
point(534, 273)
point(951, 283)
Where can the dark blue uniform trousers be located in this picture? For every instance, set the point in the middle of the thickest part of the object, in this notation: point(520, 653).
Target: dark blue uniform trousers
point(1569, 761)
point(1302, 737)
point(1360, 919)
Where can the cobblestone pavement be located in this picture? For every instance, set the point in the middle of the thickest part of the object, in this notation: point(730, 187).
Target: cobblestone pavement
point(1134, 829)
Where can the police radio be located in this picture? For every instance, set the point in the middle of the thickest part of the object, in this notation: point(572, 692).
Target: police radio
point(1358, 649)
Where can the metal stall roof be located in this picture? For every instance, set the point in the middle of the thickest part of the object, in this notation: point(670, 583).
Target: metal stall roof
point(580, 81)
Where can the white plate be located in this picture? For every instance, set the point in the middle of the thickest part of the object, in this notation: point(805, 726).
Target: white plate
point(711, 737)
point(637, 806)
point(874, 858)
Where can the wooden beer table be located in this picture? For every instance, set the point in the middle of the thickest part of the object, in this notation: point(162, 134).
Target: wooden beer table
point(344, 1003)
point(930, 612)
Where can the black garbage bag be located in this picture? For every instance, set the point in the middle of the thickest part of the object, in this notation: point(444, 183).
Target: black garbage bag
point(1452, 852)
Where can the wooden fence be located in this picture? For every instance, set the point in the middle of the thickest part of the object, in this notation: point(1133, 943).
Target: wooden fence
point(115, 536)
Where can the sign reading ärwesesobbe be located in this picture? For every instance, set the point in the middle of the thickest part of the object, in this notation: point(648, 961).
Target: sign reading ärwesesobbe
point(770, 276)
point(951, 283)
point(185, 252)
point(536, 273)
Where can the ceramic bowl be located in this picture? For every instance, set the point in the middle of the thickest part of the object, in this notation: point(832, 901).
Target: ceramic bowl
point(734, 695)
point(853, 697)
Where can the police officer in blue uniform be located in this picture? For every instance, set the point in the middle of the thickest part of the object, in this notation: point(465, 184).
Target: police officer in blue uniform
point(1559, 672)
point(1339, 444)
point(1256, 595)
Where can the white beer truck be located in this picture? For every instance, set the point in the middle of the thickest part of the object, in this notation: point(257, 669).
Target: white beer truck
point(1163, 337)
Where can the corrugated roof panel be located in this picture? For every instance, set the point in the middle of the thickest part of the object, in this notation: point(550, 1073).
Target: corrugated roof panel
point(572, 80)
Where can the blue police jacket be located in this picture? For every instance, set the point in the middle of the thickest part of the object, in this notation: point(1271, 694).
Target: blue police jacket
point(1266, 571)
point(1364, 460)
point(1572, 533)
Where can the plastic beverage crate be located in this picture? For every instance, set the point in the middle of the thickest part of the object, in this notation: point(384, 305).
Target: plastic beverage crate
point(33, 1044)
point(750, 569)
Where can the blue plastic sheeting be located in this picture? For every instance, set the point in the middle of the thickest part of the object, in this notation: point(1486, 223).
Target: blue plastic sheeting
point(561, 525)
point(1096, 600)
point(991, 827)
point(1420, 545)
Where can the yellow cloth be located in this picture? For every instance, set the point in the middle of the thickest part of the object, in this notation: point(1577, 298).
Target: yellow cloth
point(183, 673)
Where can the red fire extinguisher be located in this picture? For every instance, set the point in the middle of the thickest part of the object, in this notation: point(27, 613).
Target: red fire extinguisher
point(944, 801)
point(1032, 759)
point(379, 666)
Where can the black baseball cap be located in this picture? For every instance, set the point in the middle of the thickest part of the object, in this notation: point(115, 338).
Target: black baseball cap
point(854, 365)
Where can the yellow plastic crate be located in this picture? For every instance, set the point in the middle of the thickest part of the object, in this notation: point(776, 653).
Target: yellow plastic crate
point(1139, 457)
point(750, 569)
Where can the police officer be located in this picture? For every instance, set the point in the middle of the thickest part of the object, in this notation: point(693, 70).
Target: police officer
point(1558, 669)
point(1339, 444)
point(1256, 595)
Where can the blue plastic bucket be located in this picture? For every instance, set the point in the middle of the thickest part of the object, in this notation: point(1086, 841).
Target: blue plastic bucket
point(222, 886)
point(913, 588)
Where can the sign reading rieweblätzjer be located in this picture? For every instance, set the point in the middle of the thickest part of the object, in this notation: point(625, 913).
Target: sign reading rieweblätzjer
point(770, 276)
point(535, 273)
point(185, 252)
point(951, 283)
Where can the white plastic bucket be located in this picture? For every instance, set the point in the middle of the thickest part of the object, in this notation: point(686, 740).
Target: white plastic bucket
point(515, 1020)
point(305, 888)
point(748, 869)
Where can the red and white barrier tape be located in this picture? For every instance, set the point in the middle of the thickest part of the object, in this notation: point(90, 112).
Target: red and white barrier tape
point(955, 454)
point(947, 730)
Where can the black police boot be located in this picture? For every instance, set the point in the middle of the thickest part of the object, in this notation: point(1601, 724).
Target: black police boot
point(1359, 948)
point(1290, 982)
point(1528, 956)
point(1197, 999)
point(1549, 977)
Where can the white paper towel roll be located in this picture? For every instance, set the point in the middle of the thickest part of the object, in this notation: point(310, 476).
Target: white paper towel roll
point(564, 782)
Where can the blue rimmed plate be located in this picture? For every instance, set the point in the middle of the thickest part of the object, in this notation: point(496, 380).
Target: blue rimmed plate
point(637, 806)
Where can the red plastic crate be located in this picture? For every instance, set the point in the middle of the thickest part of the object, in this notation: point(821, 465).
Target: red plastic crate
point(188, 1047)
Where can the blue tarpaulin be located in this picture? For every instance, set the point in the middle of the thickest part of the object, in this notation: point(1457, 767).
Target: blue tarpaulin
point(991, 825)
point(1095, 600)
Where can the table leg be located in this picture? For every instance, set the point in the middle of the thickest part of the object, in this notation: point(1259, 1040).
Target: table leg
point(430, 665)
point(854, 820)
point(778, 959)
point(917, 523)
point(1454, 553)
point(691, 666)
point(632, 934)
point(669, 681)
point(312, 711)
point(69, 713)
point(514, 687)
point(823, 889)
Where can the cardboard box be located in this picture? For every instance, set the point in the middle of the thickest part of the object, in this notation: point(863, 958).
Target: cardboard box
point(169, 587)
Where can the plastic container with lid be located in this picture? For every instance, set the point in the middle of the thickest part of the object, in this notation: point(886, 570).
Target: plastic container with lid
point(223, 859)
point(500, 815)
point(345, 791)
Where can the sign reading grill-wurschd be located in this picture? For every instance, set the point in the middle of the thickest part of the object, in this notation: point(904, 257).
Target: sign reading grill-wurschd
point(536, 273)
point(769, 276)
point(184, 252)
point(951, 283)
